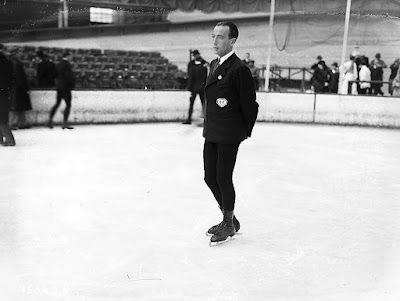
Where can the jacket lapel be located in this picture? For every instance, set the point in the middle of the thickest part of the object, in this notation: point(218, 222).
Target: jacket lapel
point(221, 70)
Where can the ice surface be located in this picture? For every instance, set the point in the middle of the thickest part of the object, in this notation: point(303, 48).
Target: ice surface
point(119, 212)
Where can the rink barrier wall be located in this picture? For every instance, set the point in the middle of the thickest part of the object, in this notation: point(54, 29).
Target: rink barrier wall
point(130, 106)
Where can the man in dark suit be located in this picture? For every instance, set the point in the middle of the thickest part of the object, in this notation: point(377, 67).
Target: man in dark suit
point(197, 76)
point(230, 115)
point(20, 98)
point(46, 71)
point(6, 81)
point(65, 83)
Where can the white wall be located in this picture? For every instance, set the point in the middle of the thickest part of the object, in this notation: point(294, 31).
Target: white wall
point(155, 106)
point(358, 110)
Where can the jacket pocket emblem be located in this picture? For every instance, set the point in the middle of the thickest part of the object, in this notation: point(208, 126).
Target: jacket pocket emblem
point(222, 102)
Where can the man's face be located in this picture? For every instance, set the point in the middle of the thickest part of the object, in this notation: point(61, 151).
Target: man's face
point(221, 42)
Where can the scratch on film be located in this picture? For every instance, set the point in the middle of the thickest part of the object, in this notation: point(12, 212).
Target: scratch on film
point(142, 279)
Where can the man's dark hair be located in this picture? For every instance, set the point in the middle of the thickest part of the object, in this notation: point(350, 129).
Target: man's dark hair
point(65, 54)
point(233, 30)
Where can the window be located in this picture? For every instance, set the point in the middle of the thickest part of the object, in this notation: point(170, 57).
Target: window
point(101, 15)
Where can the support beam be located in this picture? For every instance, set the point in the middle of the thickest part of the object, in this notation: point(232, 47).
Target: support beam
point(344, 47)
point(271, 31)
point(65, 7)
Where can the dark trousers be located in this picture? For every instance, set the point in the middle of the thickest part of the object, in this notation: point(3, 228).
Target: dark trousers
point(192, 99)
point(66, 95)
point(18, 119)
point(5, 130)
point(219, 162)
point(376, 89)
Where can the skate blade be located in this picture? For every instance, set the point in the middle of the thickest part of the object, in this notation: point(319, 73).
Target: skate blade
point(216, 243)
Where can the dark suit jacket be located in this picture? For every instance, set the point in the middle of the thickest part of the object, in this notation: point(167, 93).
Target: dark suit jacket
point(197, 76)
point(20, 99)
point(6, 80)
point(46, 72)
point(65, 80)
point(231, 107)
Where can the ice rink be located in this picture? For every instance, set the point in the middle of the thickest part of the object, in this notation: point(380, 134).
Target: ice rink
point(119, 212)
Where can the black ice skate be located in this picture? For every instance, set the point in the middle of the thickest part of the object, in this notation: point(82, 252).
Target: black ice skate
point(226, 231)
point(66, 126)
point(214, 229)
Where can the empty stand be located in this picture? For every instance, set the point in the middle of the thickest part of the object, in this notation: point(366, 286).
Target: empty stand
point(109, 68)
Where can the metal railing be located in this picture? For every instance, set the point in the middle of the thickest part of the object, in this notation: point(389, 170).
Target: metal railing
point(298, 79)
point(292, 78)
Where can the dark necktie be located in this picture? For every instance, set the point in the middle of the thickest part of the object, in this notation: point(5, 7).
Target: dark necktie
point(215, 66)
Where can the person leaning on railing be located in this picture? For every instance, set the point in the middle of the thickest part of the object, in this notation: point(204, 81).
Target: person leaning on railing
point(350, 75)
point(334, 78)
point(396, 84)
point(364, 77)
point(377, 66)
point(393, 72)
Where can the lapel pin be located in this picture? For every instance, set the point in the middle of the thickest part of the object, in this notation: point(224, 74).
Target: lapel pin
point(219, 77)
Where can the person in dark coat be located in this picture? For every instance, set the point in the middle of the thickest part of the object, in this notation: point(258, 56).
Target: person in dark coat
point(230, 115)
point(197, 76)
point(20, 98)
point(376, 67)
point(46, 71)
point(334, 78)
point(247, 59)
point(317, 61)
point(65, 83)
point(255, 72)
point(6, 81)
point(320, 78)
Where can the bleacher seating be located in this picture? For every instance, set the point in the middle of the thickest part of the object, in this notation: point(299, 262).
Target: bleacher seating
point(117, 69)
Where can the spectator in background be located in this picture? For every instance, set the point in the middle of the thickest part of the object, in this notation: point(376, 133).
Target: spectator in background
point(255, 72)
point(315, 65)
point(320, 78)
point(334, 78)
point(20, 98)
point(65, 83)
point(377, 66)
point(197, 76)
point(6, 81)
point(364, 77)
point(46, 71)
point(349, 70)
point(247, 59)
point(393, 68)
point(396, 84)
